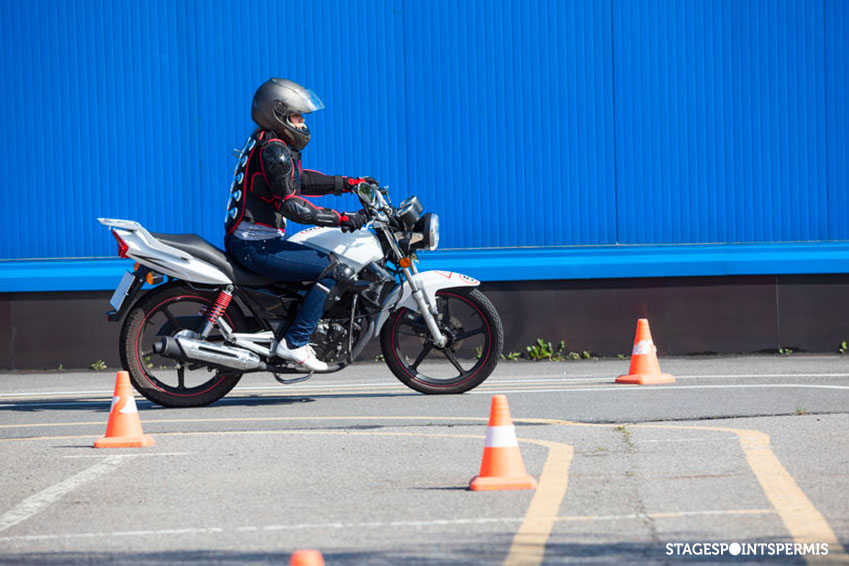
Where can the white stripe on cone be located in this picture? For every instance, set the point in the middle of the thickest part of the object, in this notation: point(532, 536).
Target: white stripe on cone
point(643, 347)
point(128, 408)
point(501, 436)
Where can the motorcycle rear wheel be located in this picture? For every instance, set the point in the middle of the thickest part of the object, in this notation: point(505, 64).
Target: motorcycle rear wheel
point(475, 339)
point(165, 311)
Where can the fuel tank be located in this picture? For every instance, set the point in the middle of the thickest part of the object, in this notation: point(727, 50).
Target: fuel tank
point(356, 249)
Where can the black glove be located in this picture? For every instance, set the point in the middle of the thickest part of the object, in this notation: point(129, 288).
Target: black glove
point(351, 183)
point(353, 221)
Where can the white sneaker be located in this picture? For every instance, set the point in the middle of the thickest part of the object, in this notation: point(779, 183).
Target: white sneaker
point(303, 356)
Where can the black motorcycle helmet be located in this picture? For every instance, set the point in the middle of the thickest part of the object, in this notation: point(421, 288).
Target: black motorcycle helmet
point(278, 99)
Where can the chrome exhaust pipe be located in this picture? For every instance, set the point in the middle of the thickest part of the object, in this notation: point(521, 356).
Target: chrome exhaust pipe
point(215, 355)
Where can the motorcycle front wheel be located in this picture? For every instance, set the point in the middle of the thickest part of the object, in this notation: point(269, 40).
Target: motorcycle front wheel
point(475, 339)
point(165, 311)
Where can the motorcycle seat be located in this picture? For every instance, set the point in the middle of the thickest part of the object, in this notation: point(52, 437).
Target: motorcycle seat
point(203, 250)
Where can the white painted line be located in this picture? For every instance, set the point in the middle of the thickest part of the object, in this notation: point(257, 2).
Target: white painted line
point(44, 499)
point(102, 392)
point(134, 455)
point(751, 375)
point(659, 387)
point(685, 440)
point(565, 379)
point(106, 394)
point(493, 388)
point(380, 525)
point(709, 376)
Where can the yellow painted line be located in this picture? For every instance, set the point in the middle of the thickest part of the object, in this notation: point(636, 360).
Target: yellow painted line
point(528, 546)
point(802, 519)
point(799, 515)
point(805, 523)
point(529, 542)
point(779, 486)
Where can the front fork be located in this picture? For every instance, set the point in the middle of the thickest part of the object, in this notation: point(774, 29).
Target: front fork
point(428, 311)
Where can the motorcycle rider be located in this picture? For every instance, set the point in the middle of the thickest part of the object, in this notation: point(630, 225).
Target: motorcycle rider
point(268, 188)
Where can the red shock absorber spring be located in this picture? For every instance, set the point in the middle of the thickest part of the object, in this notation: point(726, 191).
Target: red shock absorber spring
point(221, 304)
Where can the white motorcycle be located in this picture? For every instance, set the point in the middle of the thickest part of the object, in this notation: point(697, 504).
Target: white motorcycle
point(187, 342)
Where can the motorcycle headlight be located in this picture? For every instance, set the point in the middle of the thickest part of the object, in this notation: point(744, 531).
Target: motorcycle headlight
point(428, 227)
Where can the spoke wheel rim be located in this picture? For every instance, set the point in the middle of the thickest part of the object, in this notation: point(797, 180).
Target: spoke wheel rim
point(469, 334)
point(170, 376)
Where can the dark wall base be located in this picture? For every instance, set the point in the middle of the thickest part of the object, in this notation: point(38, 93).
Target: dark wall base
point(747, 314)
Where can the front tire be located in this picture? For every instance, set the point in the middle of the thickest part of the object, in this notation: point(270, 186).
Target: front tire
point(165, 311)
point(475, 339)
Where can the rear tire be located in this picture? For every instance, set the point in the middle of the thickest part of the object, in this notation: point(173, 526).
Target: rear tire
point(164, 311)
point(476, 338)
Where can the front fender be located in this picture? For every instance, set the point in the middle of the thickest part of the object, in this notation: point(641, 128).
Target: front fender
point(429, 282)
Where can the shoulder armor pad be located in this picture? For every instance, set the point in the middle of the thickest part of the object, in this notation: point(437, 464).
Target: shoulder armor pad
point(276, 159)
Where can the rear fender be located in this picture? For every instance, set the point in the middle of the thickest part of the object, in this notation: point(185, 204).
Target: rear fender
point(162, 258)
point(429, 282)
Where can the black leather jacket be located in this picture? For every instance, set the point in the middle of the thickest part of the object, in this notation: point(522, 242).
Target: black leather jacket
point(268, 185)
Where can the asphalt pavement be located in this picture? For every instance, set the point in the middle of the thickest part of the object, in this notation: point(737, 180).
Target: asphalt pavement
point(742, 459)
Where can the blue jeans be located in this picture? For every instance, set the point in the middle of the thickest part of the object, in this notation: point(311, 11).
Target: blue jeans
point(285, 261)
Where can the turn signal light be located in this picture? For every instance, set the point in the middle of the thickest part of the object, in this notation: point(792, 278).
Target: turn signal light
point(154, 278)
point(405, 262)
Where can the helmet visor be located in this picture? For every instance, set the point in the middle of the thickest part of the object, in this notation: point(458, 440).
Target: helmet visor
point(304, 101)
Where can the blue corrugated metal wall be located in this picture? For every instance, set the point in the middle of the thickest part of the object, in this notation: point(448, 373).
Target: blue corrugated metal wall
point(721, 121)
point(536, 123)
point(836, 39)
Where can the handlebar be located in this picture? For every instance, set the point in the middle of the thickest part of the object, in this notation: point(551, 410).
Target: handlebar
point(374, 197)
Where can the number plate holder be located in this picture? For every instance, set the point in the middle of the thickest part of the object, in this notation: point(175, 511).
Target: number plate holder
point(121, 291)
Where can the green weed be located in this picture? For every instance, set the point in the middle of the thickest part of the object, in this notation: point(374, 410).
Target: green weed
point(540, 351)
point(543, 350)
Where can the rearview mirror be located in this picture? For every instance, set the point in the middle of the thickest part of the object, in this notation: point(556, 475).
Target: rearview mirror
point(366, 193)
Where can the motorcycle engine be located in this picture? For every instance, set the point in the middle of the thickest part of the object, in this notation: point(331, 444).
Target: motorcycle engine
point(329, 339)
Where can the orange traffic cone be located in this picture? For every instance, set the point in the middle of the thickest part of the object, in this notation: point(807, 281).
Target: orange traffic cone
point(306, 558)
point(124, 428)
point(644, 366)
point(502, 466)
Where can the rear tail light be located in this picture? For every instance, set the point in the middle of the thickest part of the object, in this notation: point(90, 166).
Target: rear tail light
point(122, 245)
